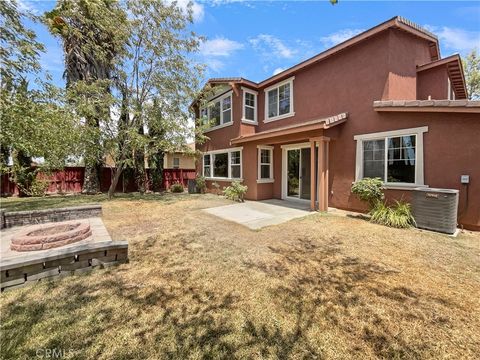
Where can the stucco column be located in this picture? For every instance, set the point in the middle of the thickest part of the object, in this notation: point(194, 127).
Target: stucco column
point(312, 175)
point(323, 174)
point(326, 164)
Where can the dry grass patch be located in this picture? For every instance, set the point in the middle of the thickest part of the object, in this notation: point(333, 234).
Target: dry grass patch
point(200, 287)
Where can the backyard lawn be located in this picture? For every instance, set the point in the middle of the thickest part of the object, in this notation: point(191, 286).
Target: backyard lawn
point(323, 286)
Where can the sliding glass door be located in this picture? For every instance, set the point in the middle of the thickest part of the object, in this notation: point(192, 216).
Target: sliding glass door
point(298, 173)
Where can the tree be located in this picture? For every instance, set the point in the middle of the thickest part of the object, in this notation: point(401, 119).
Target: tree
point(155, 81)
point(35, 123)
point(471, 67)
point(93, 37)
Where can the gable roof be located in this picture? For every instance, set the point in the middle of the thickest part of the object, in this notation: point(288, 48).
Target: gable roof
point(455, 73)
point(396, 22)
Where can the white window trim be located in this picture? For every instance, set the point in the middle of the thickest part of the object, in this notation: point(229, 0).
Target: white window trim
point(220, 99)
point(259, 164)
point(173, 162)
point(419, 164)
point(283, 116)
point(229, 151)
point(255, 94)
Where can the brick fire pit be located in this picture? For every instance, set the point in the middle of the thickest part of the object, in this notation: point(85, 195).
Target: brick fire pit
point(48, 236)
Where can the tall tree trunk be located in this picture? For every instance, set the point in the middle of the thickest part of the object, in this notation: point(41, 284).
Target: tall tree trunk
point(91, 178)
point(139, 168)
point(93, 159)
point(156, 170)
point(116, 178)
point(23, 173)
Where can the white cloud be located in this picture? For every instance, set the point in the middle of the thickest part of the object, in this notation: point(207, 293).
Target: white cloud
point(278, 70)
point(215, 65)
point(456, 39)
point(198, 11)
point(27, 6)
point(269, 44)
point(219, 47)
point(339, 36)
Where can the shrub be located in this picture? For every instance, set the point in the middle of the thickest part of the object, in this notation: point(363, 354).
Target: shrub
point(37, 187)
point(200, 184)
point(235, 191)
point(216, 186)
point(398, 216)
point(369, 190)
point(176, 188)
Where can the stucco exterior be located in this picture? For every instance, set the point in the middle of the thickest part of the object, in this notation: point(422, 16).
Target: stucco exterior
point(381, 66)
point(184, 161)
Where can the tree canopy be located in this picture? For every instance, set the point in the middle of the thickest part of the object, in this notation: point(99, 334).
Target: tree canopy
point(471, 67)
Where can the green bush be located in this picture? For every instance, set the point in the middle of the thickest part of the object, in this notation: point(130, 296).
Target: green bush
point(398, 216)
point(216, 186)
point(36, 188)
point(177, 188)
point(369, 190)
point(200, 183)
point(235, 191)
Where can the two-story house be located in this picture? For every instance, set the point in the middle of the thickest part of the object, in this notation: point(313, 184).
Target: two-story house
point(381, 104)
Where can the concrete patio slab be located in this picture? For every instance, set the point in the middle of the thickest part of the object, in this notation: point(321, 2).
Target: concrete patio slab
point(258, 214)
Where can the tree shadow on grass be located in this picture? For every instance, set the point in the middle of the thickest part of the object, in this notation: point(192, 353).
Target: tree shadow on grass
point(320, 285)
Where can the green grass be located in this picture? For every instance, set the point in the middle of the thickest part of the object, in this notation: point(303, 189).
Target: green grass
point(54, 201)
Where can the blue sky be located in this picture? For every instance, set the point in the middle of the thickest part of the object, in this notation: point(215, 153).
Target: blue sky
point(255, 39)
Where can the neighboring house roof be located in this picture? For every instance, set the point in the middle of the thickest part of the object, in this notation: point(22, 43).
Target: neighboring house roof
point(189, 145)
point(323, 123)
point(469, 106)
point(396, 22)
point(455, 73)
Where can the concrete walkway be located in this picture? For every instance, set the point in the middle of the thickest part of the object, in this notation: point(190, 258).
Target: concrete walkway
point(258, 214)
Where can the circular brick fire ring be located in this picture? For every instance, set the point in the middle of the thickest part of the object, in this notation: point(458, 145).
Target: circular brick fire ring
point(48, 236)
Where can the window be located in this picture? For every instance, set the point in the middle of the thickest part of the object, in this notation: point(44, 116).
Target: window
point(220, 165)
point(227, 109)
point(265, 164)
point(394, 156)
point(218, 112)
point(206, 166)
point(279, 101)
point(249, 105)
point(176, 162)
point(223, 164)
point(214, 114)
point(235, 164)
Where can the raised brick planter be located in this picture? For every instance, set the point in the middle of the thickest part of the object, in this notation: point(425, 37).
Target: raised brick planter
point(16, 273)
point(21, 218)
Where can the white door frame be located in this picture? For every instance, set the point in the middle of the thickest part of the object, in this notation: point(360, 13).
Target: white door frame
point(285, 148)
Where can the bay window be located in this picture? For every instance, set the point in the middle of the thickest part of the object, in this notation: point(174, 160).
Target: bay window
point(279, 101)
point(396, 157)
point(223, 164)
point(218, 112)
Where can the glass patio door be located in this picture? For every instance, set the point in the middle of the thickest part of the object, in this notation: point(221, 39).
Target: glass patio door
point(298, 173)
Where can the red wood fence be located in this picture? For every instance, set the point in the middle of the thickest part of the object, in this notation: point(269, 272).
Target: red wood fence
point(70, 180)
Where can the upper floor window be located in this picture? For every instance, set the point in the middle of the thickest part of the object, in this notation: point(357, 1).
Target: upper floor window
point(176, 163)
point(249, 105)
point(279, 101)
point(218, 112)
point(396, 156)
